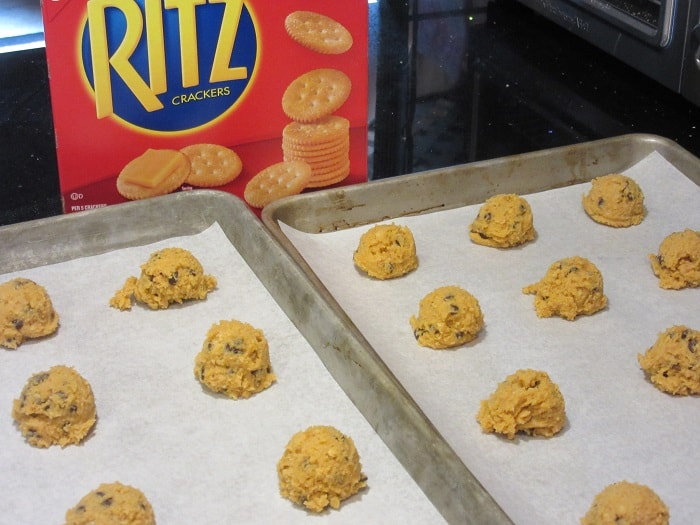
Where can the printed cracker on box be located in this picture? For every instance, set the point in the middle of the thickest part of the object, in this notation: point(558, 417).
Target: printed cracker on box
point(157, 96)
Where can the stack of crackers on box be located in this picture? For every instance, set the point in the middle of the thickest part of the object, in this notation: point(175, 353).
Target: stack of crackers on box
point(316, 144)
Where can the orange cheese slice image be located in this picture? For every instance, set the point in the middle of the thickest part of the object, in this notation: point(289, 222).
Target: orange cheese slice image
point(153, 167)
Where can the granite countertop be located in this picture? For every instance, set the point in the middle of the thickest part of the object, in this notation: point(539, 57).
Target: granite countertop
point(448, 85)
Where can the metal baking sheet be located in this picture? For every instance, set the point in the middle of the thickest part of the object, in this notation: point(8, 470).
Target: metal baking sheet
point(447, 188)
point(36, 244)
point(450, 189)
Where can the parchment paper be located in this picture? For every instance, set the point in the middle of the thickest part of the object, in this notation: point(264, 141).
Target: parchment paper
point(619, 425)
point(198, 457)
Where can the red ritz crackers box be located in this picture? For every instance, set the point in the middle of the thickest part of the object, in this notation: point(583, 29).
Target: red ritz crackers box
point(259, 98)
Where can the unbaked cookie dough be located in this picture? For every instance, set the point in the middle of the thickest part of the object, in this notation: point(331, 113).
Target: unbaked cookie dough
point(526, 401)
point(672, 363)
point(234, 360)
point(571, 287)
point(677, 264)
point(503, 221)
point(320, 468)
point(112, 504)
point(171, 275)
point(26, 312)
point(626, 503)
point(56, 407)
point(386, 251)
point(448, 316)
point(615, 200)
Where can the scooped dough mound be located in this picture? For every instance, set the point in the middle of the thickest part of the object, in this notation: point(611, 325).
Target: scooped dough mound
point(526, 401)
point(56, 407)
point(26, 312)
point(673, 361)
point(615, 200)
point(503, 221)
point(571, 287)
point(447, 317)
point(320, 468)
point(171, 275)
point(386, 251)
point(626, 503)
point(677, 264)
point(234, 360)
point(112, 504)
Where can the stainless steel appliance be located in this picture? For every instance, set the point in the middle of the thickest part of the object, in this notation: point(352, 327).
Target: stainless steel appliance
point(660, 38)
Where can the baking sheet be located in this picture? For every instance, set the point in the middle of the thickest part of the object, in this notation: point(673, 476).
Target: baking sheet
point(199, 458)
point(619, 426)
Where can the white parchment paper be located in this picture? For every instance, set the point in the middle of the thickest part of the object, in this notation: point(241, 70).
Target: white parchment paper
point(619, 425)
point(199, 458)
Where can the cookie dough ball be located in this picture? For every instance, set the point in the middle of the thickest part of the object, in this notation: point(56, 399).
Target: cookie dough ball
point(26, 312)
point(447, 317)
point(234, 360)
point(503, 221)
point(615, 200)
point(55, 408)
point(629, 504)
point(571, 287)
point(112, 504)
point(526, 401)
point(320, 468)
point(672, 363)
point(677, 264)
point(386, 251)
point(171, 275)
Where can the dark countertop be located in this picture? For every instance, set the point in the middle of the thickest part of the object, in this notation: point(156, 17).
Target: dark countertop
point(466, 82)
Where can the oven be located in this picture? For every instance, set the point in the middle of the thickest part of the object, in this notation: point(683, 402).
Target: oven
point(660, 38)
